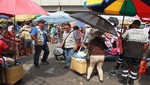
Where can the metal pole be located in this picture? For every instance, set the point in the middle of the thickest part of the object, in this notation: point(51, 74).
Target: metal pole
point(5, 72)
point(126, 1)
point(14, 39)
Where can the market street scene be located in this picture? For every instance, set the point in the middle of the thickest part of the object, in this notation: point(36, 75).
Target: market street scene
point(74, 42)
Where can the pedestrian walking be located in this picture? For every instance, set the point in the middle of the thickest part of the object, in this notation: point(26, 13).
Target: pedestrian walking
point(52, 32)
point(70, 43)
point(136, 44)
point(40, 38)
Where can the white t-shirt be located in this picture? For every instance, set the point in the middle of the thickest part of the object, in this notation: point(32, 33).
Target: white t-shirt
point(136, 35)
point(135, 43)
point(146, 29)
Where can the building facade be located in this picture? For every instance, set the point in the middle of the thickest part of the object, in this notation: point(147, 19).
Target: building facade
point(62, 5)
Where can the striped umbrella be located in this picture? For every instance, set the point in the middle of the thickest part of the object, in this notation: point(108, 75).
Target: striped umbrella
point(121, 7)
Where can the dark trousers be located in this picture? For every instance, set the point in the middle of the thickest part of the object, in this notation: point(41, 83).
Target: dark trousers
point(37, 53)
point(130, 66)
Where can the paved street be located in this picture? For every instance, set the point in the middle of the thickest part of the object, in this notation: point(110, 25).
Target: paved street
point(54, 74)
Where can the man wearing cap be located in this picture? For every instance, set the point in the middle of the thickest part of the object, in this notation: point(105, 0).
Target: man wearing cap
point(136, 44)
point(39, 36)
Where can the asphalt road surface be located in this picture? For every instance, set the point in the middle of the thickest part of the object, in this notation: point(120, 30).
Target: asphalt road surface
point(55, 74)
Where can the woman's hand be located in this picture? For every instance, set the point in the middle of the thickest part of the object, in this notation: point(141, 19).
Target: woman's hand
point(83, 45)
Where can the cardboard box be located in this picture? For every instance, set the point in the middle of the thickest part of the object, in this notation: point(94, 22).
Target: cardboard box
point(14, 74)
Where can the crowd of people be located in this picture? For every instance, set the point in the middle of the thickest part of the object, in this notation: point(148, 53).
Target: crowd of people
point(129, 47)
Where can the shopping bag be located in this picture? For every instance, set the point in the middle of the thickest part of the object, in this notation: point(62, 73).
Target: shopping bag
point(142, 68)
point(79, 65)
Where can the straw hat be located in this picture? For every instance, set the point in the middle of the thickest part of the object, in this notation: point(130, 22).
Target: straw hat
point(25, 28)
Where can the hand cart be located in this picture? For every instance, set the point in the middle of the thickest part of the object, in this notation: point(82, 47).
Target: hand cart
point(10, 75)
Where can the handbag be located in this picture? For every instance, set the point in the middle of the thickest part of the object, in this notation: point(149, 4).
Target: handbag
point(143, 66)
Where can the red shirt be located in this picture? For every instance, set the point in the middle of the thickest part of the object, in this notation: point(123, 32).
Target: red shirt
point(3, 46)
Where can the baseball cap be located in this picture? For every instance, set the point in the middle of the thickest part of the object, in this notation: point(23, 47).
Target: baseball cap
point(137, 22)
point(41, 21)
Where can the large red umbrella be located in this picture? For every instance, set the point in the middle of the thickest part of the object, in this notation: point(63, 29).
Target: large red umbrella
point(18, 7)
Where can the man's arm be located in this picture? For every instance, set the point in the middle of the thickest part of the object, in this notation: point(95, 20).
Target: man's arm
point(78, 39)
point(50, 38)
point(34, 35)
point(145, 47)
point(124, 36)
point(63, 42)
point(34, 38)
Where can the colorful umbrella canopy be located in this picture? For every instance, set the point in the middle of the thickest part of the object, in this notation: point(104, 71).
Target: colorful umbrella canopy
point(22, 18)
point(4, 16)
point(37, 16)
point(145, 19)
point(146, 2)
point(56, 18)
point(77, 23)
point(120, 7)
point(18, 7)
point(96, 21)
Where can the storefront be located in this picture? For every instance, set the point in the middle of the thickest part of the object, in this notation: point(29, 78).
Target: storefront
point(70, 6)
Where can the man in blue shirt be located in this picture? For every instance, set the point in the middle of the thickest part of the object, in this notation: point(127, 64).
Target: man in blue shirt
point(39, 36)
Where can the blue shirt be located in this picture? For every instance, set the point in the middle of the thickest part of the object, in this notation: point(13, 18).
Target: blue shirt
point(18, 27)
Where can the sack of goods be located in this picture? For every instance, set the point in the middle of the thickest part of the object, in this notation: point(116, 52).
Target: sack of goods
point(78, 62)
point(7, 61)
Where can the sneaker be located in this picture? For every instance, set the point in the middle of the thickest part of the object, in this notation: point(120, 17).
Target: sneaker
point(66, 67)
point(113, 73)
point(131, 82)
point(85, 77)
point(45, 62)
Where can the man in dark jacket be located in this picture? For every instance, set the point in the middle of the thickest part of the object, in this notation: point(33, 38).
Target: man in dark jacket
point(136, 44)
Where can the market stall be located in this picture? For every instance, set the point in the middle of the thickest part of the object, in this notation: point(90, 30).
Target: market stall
point(15, 72)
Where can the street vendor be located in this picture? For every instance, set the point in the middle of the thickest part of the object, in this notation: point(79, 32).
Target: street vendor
point(3, 45)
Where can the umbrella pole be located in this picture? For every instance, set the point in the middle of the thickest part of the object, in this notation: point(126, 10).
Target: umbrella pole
point(124, 16)
point(123, 24)
point(14, 40)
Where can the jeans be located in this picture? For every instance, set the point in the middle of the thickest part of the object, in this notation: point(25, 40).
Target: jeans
point(68, 54)
point(37, 53)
